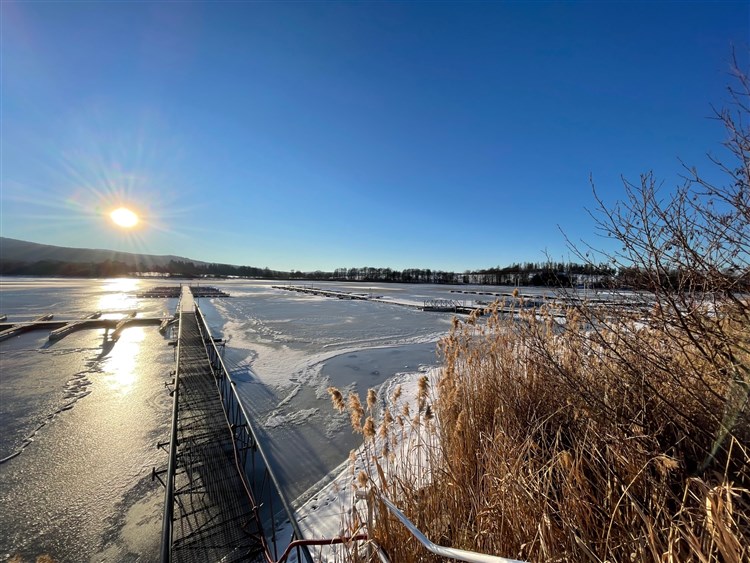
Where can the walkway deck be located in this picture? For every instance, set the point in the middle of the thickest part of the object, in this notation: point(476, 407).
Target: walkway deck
point(213, 517)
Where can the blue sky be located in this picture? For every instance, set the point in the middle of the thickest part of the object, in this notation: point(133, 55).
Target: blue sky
point(316, 135)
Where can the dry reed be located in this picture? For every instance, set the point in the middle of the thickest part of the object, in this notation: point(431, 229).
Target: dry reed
point(549, 447)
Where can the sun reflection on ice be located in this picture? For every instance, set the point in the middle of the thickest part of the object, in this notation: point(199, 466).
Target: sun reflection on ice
point(120, 366)
point(118, 295)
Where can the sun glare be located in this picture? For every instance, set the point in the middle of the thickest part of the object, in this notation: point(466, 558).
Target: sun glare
point(124, 217)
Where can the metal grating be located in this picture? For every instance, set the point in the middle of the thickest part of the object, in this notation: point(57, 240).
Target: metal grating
point(213, 515)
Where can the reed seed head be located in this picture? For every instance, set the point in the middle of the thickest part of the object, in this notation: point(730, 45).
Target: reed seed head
point(422, 387)
point(396, 394)
point(666, 464)
point(356, 412)
point(337, 399)
point(362, 479)
point(369, 429)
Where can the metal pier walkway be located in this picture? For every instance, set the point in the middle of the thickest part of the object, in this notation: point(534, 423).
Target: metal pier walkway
point(221, 502)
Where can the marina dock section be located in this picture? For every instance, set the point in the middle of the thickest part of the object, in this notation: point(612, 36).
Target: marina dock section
point(61, 328)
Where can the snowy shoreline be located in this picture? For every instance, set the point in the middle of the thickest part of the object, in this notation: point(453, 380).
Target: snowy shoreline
point(327, 512)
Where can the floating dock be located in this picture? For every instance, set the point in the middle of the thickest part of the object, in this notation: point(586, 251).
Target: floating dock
point(62, 328)
point(122, 324)
point(507, 303)
point(16, 329)
point(175, 291)
point(439, 305)
point(324, 292)
point(61, 332)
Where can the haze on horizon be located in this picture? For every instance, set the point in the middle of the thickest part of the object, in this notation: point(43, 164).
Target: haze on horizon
point(317, 135)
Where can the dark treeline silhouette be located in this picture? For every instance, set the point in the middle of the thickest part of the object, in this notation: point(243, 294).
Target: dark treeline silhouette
point(519, 274)
point(544, 274)
point(528, 273)
point(107, 268)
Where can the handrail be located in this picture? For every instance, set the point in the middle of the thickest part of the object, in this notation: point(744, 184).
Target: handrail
point(168, 515)
point(450, 552)
point(256, 445)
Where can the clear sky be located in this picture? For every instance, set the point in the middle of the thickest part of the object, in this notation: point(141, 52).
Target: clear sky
point(316, 135)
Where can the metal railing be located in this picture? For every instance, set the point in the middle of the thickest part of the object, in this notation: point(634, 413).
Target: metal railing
point(167, 524)
point(374, 498)
point(441, 305)
point(270, 506)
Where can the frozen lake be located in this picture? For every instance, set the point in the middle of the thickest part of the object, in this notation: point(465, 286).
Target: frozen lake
point(287, 348)
point(84, 417)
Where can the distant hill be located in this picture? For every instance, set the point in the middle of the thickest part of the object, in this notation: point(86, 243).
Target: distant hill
point(20, 251)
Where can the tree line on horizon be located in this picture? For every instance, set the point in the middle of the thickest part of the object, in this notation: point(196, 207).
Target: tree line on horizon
point(527, 273)
point(545, 274)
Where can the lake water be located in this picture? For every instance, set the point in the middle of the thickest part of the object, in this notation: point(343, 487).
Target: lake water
point(84, 416)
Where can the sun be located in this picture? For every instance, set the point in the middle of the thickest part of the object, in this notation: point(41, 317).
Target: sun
point(124, 217)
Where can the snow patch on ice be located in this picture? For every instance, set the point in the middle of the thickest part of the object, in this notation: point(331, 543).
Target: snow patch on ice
point(300, 417)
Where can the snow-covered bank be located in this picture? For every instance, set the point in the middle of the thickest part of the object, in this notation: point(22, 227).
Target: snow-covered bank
point(328, 513)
